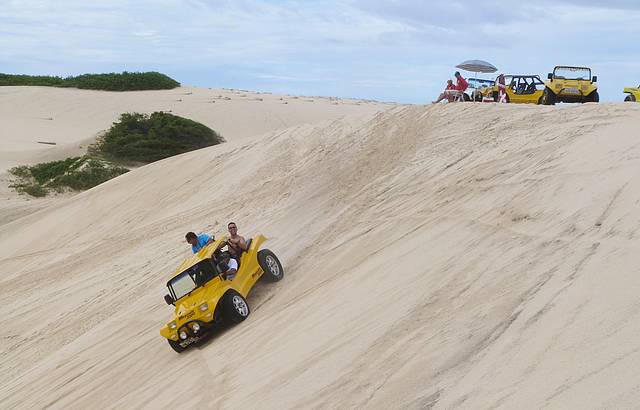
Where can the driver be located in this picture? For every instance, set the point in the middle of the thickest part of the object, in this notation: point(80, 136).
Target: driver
point(237, 244)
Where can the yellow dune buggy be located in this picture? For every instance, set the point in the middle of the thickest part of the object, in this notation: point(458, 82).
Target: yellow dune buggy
point(634, 94)
point(570, 85)
point(202, 295)
point(519, 89)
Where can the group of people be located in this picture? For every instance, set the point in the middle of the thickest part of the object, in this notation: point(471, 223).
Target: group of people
point(453, 91)
point(236, 244)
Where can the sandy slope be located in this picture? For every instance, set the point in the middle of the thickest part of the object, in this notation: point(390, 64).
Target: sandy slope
point(467, 256)
point(34, 117)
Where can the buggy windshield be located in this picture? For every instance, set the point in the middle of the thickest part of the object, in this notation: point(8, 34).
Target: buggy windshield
point(192, 278)
point(572, 73)
point(479, 83)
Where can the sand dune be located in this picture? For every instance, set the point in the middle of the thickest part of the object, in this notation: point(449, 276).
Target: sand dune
point(44, 124)
point(459, 256)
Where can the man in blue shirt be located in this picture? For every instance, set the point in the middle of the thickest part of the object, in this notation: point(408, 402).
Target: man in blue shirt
point(198, 242)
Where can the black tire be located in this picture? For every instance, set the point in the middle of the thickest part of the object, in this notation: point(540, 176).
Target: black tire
point(235, 308)
point(478, 97)
point(630, 98)
point(506, 98)
point(593, 97)
point(466, 97)
point(271, 266)
point(548, 97)
point(176, 346)
point(495, 96)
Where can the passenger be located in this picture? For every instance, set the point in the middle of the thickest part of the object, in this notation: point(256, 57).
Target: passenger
point(447, 93)
point(230, 265)
point(237, 244)
point(198, 242)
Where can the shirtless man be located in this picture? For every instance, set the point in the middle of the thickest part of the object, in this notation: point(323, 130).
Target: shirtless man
point(237, 243)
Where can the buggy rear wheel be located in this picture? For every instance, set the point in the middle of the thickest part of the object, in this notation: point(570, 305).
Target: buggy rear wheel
point(630, 98)
point(593, 97)
point(271, 266)
point(548, 97)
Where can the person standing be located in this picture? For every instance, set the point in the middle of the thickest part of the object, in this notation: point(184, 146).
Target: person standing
point(461, 83)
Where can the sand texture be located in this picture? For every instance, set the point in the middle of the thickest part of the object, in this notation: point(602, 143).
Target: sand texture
point(456, 256)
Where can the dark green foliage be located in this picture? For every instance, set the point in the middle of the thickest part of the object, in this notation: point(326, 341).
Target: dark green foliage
point(93, 173)
point(30, 189)
point(41, 80)
point(109, 82)
point(147, 138)
point(77, 173)
point(48, 171)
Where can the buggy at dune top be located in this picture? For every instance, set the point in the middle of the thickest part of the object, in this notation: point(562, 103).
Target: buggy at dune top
point(566, 84)
point(202, 295)
point(518, 89)
point(633, 94)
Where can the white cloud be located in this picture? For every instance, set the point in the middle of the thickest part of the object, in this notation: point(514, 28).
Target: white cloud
point(368, 48)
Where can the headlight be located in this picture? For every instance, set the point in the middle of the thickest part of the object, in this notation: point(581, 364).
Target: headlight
point(204, 307)
point(173, 325)
point(195, 327)
point(183, 335)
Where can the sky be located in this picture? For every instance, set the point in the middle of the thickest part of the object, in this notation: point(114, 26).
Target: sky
point(388, 50)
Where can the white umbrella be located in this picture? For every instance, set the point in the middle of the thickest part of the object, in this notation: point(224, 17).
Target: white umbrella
point(477, 66)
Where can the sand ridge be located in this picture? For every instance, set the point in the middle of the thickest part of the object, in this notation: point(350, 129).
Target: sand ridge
point(465, 256)
point(42, 124)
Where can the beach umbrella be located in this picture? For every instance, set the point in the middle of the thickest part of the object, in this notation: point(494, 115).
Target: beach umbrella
point(477, 66)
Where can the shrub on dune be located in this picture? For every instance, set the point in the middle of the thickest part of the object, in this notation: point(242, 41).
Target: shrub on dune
point(136, 138)
point(77, 173)
point(146, 138)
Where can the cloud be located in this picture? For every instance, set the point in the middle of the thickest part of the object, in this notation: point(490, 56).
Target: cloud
point(387, 49)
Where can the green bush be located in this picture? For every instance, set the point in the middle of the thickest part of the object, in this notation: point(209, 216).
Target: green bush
point(124, 81)
point(77, 173)
point(30, 189)
point(48, 171)
point(92, 173)
point(146, 138)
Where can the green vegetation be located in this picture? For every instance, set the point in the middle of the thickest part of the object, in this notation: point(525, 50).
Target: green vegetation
point(109, 82)
point(147, 138)
point(76, 173)
point(134, 139)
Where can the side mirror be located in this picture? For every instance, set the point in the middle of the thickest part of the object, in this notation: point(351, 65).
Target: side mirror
point(550, 76)
point(594, 78)
point(168, 299)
